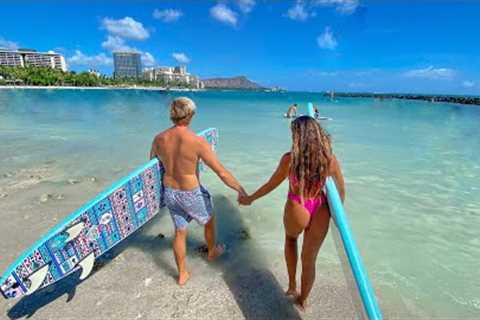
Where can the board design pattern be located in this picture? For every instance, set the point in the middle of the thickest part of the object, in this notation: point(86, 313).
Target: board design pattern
point(91, 231)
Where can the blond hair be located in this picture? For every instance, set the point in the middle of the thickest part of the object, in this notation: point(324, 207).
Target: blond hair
point(311, 155)
point(182, 110)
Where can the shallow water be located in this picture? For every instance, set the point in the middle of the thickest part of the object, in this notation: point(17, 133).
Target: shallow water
point(412, 170)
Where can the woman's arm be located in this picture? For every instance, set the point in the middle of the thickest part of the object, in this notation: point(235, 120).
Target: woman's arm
point(336, 174)
point(280, 174)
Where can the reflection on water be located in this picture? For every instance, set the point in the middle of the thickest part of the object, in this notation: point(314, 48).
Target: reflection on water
point(411, 169)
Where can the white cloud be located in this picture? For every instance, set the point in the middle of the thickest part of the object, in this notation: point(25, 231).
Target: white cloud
point(342, 6)
point(327, 40)
point(148, 60)
point(4, 43)
point(246, 5)
point(126, 28)
point(223, 14)
point(468, 84)
point(92, 61)
point(298, 11)
point(167, 15)
point(181, 57)
point(115, 43)
point(431, 73)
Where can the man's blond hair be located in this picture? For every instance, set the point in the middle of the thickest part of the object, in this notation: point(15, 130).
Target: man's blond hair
point(182, 110)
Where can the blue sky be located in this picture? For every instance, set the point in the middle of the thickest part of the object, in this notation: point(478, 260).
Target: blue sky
point(346, 45)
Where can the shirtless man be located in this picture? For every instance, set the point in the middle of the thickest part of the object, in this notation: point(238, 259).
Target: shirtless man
point(179, 149)
point(292, 111)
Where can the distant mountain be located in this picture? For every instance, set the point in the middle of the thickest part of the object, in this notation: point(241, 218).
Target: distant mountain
point(240, 82)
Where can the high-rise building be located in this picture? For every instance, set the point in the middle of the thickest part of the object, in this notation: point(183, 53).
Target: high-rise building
point(30, 57)
point(127, 65)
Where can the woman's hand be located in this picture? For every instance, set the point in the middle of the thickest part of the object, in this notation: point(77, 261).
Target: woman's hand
point(245, 200)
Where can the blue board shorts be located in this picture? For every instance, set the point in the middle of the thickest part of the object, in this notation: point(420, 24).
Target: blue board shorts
point(185, 206)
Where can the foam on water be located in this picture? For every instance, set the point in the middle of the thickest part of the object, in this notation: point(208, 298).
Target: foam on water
point(411, 169)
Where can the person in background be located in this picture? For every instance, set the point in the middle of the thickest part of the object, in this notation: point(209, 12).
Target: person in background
point(179, 149)
point(317, 112)
point(306, 166)
point(292, 111)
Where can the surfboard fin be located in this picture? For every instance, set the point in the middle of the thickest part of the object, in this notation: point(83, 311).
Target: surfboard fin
point(37, 278)
point(74, 231)
point(87, 265)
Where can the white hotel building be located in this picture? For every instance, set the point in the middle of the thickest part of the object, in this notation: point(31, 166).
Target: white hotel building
point(170, 74)
point(29, 57)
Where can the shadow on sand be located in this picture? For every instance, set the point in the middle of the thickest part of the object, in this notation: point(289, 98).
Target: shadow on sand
point(244, 269)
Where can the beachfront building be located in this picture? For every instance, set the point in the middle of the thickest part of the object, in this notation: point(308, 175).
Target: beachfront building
point(127, 65)
point(171, 75)
point(32, 58)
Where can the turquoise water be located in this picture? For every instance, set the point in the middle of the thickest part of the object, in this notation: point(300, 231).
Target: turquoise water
point(412, 170)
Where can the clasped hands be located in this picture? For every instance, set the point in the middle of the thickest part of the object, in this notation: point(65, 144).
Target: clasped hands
point(244, 199)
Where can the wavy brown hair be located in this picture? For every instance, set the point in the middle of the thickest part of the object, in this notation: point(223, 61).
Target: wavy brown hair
point(310, 156)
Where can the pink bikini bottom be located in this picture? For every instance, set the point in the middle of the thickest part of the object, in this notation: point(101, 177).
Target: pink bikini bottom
point(311, 205)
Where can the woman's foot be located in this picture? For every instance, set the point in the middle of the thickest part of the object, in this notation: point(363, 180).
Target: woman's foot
point(216, 252)
point(300, 304)
point(183, 278)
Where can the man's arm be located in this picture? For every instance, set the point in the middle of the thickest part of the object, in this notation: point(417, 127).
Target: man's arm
point(210, 159)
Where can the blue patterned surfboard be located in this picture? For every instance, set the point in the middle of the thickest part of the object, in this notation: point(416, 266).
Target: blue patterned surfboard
point(91, 231)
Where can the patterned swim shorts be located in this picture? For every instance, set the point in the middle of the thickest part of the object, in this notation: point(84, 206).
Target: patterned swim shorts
point(187, 205)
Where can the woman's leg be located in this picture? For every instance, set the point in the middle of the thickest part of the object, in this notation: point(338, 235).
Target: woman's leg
point(295, 220)
point(312, 241)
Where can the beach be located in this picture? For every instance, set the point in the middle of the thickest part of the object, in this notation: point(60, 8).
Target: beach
point(150, 88)
point(411, 199)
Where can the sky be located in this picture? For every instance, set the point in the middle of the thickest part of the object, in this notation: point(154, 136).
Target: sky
point(417, 46)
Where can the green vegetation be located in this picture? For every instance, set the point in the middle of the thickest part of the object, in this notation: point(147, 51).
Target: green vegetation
point(42, 76)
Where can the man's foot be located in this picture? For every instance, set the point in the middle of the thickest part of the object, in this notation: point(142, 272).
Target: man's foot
point(183, 278)
point(300, 304)
point(292, 292)
point(216, 252)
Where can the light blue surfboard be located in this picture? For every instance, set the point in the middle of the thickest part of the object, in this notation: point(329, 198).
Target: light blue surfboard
point(91, 231)
point(367, 295)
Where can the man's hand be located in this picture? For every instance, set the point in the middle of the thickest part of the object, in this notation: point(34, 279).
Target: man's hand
point(245, 200)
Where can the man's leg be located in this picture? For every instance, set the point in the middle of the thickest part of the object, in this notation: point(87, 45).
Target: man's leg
point(180, 252)
point(214, 250)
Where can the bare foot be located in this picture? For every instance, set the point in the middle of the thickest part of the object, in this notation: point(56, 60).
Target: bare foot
point(183, 278)
point(300, 304)
point(216, 252)
point(292, 292)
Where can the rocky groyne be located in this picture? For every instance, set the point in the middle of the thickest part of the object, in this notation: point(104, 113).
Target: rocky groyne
point(472, 100)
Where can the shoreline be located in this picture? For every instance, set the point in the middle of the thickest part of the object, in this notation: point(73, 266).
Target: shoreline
point(96, 88)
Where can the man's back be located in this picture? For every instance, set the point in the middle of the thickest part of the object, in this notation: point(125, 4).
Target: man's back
point(178, 148)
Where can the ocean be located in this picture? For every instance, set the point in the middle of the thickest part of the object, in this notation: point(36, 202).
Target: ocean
point(411, 169)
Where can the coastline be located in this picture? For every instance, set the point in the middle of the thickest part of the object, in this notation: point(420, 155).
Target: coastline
point(97, 88)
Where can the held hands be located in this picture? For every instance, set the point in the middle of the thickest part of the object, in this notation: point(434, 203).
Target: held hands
point(245, 200)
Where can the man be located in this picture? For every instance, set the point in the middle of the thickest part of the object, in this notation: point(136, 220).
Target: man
point(179, 149)
point(292, 111)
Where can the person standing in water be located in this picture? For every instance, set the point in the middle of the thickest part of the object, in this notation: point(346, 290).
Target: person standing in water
point(306, 167)
point(179, 149)
point(292, 111)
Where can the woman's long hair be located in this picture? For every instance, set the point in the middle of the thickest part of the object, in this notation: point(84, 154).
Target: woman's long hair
point(310, 156)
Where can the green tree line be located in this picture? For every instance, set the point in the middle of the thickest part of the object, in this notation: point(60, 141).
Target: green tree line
point(44, 76)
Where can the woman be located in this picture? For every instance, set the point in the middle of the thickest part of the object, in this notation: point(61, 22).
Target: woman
point(306, 166)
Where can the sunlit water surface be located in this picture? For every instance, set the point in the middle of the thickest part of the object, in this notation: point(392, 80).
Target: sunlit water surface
point(412, 171)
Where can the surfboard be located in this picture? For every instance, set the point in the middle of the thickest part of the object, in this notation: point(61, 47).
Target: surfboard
point(91, 231)
point(362, 281)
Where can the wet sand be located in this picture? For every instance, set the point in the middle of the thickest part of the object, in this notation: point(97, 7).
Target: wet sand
point(137, 281)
